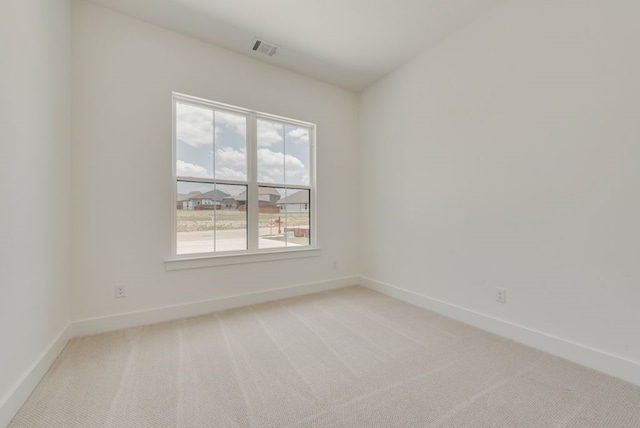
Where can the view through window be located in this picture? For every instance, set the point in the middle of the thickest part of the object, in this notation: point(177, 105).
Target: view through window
point(243, 179)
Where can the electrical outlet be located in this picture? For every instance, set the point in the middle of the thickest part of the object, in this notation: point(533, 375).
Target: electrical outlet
point(501, 295)
point(120, 291)
point(334, 265)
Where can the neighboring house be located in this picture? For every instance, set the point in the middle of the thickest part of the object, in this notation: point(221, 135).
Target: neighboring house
point(240, 201)
point(217, 200)
point(205, 201)
point(269, 194)
point(267, 199)
point(297, 202)
point(231, 203)
point(181, 198)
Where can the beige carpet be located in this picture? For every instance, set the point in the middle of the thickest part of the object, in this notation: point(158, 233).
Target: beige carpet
point(346, 358)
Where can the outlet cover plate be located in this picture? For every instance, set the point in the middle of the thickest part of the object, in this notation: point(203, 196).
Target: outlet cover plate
point(120, 291)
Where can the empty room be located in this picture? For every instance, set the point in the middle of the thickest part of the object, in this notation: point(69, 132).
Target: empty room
point(284, 213)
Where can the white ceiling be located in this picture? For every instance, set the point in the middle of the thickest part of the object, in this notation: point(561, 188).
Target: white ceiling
point(349, 43)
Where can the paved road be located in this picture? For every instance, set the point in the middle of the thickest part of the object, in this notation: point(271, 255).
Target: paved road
point(227, 240)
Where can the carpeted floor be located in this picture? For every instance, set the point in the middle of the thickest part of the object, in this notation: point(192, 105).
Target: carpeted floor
point(346, 358)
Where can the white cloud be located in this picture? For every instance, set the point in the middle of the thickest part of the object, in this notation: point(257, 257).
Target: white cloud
point(298, 135)
point(231, 164)
point(231, 157)
point(265, 178)
point(293, 165)
point(270, 159)
point(186, 169)
point(194, 125)
point(233, 121)
point(295, 170)
point(272, 166)
point(269, 133)
point(230, 174)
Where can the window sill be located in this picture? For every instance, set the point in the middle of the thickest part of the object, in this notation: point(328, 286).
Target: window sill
point(195, 262)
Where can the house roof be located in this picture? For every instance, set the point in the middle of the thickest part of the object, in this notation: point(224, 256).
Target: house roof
point(214, 195)
point(268, 191)
point(299, 197)
point(191, 195)
point(263, 193)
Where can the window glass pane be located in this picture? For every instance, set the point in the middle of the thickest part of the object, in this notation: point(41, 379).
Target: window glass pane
point(296, 148)
point(284, 217)
point(194, 141)
point(231, 218)
point(211, 218)
point(195, 218)
point(272, 221)
point(270, 151)
point(295, 207)
point(230, 146)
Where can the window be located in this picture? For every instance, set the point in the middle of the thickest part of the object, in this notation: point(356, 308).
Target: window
point(243, 180)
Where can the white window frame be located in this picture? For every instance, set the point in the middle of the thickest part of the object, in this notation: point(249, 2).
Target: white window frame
point(253, 253)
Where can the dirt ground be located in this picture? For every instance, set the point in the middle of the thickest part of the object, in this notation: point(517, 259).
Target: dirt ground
point(200, 221)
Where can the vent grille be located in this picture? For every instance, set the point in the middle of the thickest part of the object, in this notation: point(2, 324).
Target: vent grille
point(264, 48)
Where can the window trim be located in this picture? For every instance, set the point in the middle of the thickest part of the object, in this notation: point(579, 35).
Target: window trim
point(252, 253)
point(192, 261)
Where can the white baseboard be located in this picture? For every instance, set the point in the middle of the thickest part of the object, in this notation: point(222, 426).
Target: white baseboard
point(596, 359)
point(11, 402)
point(151, 316)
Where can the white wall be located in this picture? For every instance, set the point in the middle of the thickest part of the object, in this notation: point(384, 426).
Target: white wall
point(124, 73)
point(34, 183)
point(509, 156)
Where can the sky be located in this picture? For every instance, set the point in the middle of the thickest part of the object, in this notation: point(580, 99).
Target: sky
point(212, 144)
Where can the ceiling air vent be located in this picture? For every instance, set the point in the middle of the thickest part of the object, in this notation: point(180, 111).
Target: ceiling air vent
point(264, 48)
